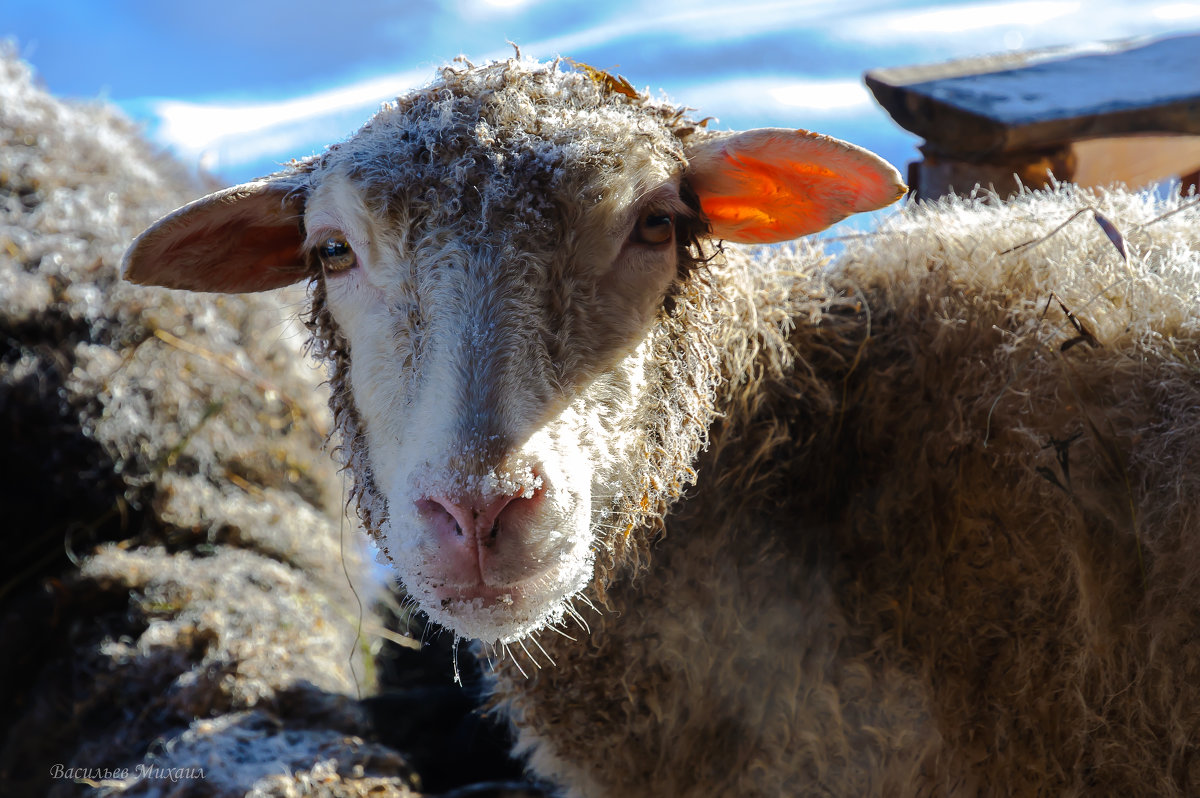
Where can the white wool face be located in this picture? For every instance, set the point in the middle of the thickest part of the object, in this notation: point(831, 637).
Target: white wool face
point(468, 389)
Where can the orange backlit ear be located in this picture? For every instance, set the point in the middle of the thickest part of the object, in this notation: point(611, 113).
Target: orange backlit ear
point(244, 238)
point(772, 184)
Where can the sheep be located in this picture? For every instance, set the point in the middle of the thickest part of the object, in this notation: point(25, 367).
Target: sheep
point(730, 520)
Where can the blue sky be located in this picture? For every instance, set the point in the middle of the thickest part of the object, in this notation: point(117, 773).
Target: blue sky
point(240, 87)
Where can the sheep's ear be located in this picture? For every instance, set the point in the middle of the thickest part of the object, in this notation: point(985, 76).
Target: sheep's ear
point(772, 184)
point(245, 238)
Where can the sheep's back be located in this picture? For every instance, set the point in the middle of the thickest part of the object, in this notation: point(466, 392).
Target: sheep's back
point(1016, 519)
point(943, 539)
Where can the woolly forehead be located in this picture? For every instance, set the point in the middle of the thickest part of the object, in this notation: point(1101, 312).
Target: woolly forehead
point(507, 160)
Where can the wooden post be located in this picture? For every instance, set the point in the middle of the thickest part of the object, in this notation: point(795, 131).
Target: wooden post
point(936, 175)
point(1189, 184)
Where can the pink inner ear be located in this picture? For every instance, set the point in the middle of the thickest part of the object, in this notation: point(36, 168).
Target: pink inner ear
point(774, 199)
point(765, 186)
point(242, 239)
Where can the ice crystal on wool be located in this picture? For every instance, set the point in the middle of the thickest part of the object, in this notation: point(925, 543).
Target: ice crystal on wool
point(503, 148)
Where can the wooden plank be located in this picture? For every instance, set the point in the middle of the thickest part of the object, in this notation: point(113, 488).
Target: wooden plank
point(1043, 99)
point(1135, 161)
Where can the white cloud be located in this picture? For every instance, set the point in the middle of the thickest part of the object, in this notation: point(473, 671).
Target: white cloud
point(969, 29)
point(491, 11)
point(231, 133)
point(960, 18)
point(773, 99)
point(700, 21)
point(1177, 11)
point(823, 96)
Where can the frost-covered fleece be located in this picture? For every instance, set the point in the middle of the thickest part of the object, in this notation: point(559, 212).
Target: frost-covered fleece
point(918, 521)
point(943, 541)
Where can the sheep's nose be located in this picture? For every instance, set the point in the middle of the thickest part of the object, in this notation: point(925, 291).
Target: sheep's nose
point(474, 517)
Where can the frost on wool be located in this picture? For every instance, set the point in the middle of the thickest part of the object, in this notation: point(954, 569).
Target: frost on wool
point(502, 167)
point(916, 520)
point(937, 542)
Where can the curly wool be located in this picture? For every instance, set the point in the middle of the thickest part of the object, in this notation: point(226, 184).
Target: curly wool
point(939, 540)
point(943, 539)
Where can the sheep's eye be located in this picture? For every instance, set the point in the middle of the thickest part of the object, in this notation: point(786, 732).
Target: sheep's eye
point(336, 255)
point(654, 228)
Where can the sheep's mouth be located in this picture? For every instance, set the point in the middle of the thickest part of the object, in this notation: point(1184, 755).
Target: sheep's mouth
point(502, 613)
point(480, 596)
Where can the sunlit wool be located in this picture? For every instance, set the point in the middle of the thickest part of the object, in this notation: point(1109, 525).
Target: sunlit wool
point(940, 537)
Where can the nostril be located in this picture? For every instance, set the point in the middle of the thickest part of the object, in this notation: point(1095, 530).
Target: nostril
point(438, 513)
point(476, 517)
point(473, 516)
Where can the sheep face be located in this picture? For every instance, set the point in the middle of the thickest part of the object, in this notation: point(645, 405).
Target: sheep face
point(506, 283)
point(498, 374)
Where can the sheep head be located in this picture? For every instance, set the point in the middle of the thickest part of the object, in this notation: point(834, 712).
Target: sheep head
point(507, 281)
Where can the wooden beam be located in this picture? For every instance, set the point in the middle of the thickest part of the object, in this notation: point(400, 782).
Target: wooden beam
point(975, 109)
